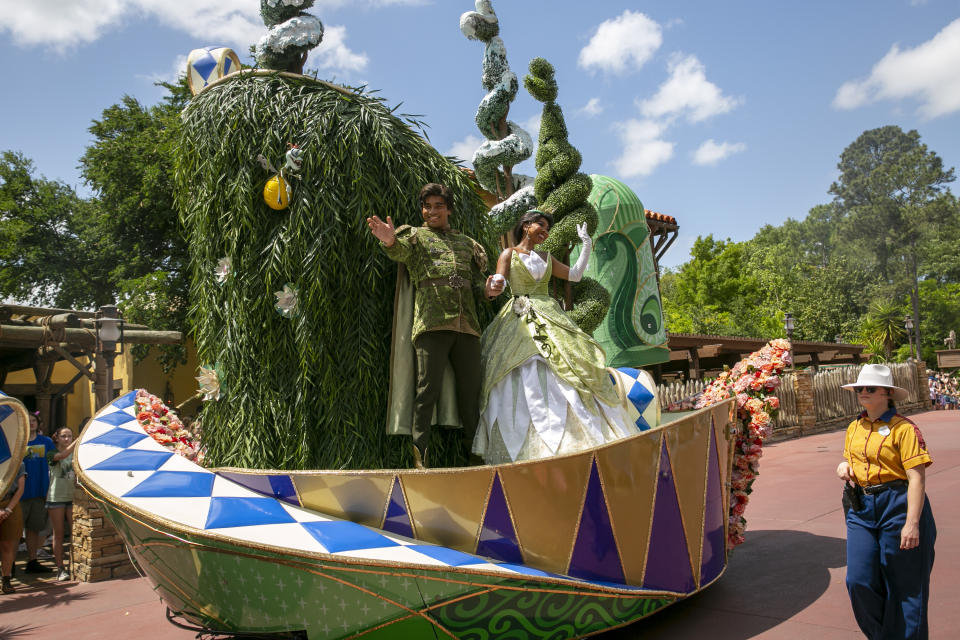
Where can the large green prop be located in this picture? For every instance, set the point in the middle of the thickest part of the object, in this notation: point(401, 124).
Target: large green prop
point(306, 388)
point(632, 333)
point(562, 191)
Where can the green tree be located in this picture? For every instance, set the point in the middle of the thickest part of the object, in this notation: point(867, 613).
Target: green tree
point(883, 326)
point(45, 252)
point(717, 292)
point(940, 305)
point(135, 229)
point(892, 189)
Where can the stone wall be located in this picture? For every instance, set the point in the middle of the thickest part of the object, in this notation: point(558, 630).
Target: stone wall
point(97, 552)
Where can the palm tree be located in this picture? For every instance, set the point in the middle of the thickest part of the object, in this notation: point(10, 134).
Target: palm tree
point(883, 327)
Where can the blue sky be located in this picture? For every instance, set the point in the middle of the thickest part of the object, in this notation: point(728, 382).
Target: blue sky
point(725, 115)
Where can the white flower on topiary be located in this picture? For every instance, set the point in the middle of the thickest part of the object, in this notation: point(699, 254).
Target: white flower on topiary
point(209, 383)
point(224, 268)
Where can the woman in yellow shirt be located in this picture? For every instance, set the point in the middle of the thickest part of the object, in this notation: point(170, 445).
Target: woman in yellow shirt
point(891, 535)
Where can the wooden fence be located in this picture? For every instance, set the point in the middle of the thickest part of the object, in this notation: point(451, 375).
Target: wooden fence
point(676, 391)
point(786, 393)
point(830, 401)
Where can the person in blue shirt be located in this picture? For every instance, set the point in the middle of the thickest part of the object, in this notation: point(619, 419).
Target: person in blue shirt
point(34, 500)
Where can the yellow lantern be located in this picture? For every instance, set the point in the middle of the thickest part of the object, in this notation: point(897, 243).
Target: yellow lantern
point(276, 193)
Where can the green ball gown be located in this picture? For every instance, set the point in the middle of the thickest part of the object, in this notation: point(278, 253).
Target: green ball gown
point(546, 389)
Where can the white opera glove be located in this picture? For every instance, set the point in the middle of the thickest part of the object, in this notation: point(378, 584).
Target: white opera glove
point(576, 271)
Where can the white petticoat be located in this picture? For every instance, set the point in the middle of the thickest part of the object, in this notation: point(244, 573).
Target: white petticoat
point(532, 413)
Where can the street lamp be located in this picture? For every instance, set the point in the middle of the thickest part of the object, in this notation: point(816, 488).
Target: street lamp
point(109, 336)
point(908, 325)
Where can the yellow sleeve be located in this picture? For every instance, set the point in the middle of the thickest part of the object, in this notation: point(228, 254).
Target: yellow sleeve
point(913, 450)
point(846, 441)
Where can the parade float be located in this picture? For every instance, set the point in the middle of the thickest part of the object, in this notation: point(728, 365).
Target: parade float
point(295, 511)
point(14, 435)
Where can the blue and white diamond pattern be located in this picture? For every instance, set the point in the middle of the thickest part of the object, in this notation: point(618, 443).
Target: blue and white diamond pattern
point(642, 392)
point(207, 64)
point(117, 455)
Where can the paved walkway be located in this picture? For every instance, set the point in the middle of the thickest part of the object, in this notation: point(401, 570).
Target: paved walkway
point(784, 583)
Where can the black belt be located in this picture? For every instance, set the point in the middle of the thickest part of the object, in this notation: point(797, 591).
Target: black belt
point(456, 281)
point(873, 489)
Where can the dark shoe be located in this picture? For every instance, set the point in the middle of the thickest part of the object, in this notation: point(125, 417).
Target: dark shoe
point(7, 587)
point(475, 461)
point(34, 566)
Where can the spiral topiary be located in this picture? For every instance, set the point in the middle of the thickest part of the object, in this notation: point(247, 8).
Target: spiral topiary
point(562, 191)
point(507, 143)
point(292, 34)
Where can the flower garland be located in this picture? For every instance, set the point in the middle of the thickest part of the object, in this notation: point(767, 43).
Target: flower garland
point(752, 381)
point(165, 427)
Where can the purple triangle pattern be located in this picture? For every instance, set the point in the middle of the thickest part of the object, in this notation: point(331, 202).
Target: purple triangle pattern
point(397, 519)
point(668, 562)
point(595, 555)
point(713, 554)
point(498, 539)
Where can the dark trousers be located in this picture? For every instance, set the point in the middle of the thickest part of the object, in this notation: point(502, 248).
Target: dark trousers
point(889, 588)
point(434, 349)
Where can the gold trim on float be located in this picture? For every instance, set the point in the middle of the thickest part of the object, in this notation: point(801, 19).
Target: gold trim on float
point(653, 505)
point(631, 512)
point(554, 476)
point(676, 493)
point(547, 500)
point(606, 505)
point(360, 499)
point(483, 514)
point(19, 445)
point(686, 456)
point(445, 508)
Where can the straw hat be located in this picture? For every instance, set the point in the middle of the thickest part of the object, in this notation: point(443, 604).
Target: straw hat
point(877, 375)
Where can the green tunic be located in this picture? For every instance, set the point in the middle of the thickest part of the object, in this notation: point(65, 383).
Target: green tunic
point(430, 255)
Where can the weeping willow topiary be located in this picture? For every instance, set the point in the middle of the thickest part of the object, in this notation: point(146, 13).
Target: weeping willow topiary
point(306, 388)
point(562, 191)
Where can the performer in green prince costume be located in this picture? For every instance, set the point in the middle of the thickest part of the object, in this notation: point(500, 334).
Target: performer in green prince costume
point(448, 269)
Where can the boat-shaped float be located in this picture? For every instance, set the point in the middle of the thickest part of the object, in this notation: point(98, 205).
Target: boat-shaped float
point(561, 547)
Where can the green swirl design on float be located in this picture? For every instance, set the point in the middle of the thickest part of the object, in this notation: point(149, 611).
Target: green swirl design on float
point(520, 615)
point(562, 191)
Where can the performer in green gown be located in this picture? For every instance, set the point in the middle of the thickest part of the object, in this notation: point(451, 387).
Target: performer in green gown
point(546, 390)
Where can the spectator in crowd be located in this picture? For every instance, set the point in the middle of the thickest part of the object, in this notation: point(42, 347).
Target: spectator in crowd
point(60, 494)
point(34, 500)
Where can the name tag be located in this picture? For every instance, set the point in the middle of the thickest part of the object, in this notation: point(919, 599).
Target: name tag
point(884, 430)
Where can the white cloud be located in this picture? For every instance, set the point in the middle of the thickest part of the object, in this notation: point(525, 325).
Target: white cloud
point(177, 68)
point(927, 73)
point(62, 24)
point(622, 43)
point(643, 148)
point(333, 53)
point(711, 152)
point(592, 108)
point(532, 126)
point(687, 91)
point(464, 148)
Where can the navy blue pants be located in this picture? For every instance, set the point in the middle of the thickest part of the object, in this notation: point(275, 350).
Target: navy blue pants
point(889, 587)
